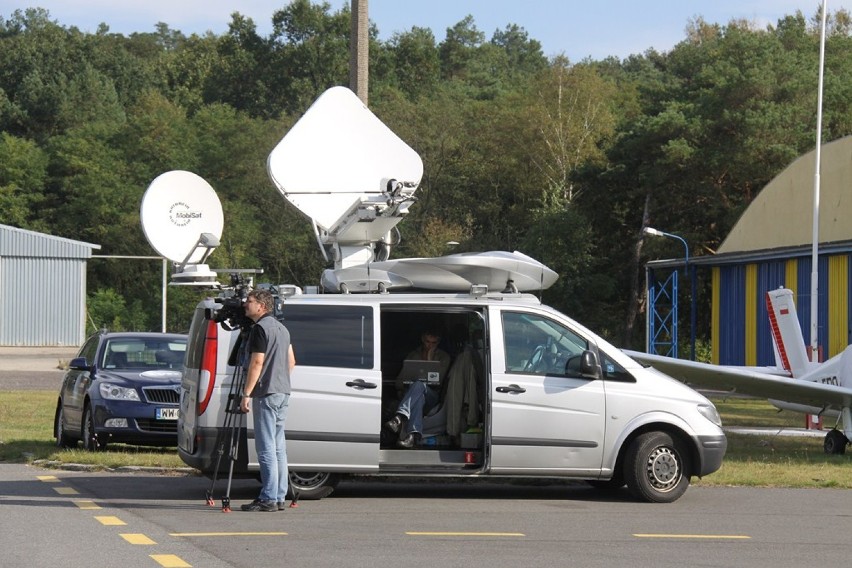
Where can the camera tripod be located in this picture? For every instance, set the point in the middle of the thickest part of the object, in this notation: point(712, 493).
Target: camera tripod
point(232, 425)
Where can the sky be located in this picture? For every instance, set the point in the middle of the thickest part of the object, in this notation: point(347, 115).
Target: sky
point(575, 28)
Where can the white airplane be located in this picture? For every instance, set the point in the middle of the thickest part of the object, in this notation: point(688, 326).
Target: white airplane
point(823, 389)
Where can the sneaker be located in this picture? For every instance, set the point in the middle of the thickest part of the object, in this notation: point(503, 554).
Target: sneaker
point(281, 505)
point(258, 505)
point(395, 423)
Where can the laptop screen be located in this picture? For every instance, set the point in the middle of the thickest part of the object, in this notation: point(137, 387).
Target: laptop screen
point(420, 370)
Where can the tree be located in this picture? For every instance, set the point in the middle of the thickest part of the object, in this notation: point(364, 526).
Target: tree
point(310, 53)
point(416, 65)
point(23, 171)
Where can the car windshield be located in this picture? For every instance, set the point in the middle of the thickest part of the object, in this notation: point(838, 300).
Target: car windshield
point(138, 353)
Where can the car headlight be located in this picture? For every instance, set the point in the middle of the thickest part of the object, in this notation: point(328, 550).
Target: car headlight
point(115, 392)
point(709, 412)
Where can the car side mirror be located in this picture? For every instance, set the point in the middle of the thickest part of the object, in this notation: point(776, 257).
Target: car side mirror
point(79, 364)
point(589, 366)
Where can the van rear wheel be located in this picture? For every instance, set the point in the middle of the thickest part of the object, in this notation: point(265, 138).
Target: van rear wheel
point(312, 485)
point(657, 468)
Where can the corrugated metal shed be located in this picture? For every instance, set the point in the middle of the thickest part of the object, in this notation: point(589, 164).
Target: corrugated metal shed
point(42, 288)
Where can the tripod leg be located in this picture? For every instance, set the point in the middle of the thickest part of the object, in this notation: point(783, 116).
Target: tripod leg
point(232, 410)
point(209, 493)
point(234, 453)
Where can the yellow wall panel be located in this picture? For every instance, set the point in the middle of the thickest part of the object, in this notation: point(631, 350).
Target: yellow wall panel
point(750, 314)
point(791, 276)
point(838, 311)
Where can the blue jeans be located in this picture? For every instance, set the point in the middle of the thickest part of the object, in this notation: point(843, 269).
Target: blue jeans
point(269, 413)
point(417, 401)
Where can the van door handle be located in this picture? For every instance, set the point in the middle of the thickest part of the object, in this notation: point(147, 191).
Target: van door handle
point(361, 384)
point(511, 388)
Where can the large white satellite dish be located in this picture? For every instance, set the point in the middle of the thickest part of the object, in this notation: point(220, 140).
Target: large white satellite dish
point(336, 154)
point(348, 172)
point(182, 220)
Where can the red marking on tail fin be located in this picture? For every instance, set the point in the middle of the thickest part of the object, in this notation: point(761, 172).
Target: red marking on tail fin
point(776, 332)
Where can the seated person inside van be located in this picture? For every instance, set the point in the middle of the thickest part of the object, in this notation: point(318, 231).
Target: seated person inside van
point(419, 398)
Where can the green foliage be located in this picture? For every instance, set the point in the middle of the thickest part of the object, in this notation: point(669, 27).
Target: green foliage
point(563, 161)
point(23, 170)
point(107, 309)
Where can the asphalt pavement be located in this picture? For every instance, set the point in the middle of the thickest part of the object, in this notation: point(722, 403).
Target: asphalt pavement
point(82, 519)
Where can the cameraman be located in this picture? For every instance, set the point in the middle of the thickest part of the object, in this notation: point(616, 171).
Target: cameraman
point(267, 388)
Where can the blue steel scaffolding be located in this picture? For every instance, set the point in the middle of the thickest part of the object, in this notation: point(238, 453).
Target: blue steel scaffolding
point(662, 314)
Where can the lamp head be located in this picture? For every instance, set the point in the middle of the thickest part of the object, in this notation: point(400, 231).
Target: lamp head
point(653, 232)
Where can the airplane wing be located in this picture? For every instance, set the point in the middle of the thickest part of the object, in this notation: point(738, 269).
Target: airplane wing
point(763, 382)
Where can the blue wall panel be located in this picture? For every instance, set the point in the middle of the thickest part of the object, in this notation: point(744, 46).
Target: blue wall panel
point(770, 275)
point(803, 297)
point(732, 315)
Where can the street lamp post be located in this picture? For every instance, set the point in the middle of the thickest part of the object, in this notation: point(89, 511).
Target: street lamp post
point(657, 233)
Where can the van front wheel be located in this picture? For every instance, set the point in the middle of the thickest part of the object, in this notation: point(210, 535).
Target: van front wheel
point(656, 468)
point(312, 485)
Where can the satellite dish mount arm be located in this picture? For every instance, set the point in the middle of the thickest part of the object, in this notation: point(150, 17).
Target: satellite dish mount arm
point(207, 241)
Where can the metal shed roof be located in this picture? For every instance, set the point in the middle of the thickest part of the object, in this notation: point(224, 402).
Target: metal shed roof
point(23, 243)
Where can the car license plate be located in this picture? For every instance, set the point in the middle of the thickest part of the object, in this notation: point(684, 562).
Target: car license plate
point(167, 414)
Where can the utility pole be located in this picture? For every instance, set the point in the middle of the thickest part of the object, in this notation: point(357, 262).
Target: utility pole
point(359, 49)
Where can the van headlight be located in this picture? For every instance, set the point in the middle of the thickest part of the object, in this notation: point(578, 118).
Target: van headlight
point(709, 412)
point(115, 392)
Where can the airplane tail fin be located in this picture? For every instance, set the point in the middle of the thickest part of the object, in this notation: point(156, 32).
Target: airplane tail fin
point(790, 351)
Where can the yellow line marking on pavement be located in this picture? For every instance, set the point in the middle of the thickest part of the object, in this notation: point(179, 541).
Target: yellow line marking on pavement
point(111, 521)
point(87, 505)
point(136, 538)
point(705, 536)
point(230, 534)
point(170, 561)
point(66, 491)
point(412, 533)
point(48, 478)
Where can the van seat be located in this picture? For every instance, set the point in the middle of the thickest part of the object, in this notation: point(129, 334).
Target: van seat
point(459, 407)
point(435, 421)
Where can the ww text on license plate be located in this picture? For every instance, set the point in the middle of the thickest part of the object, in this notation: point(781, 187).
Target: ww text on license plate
point(167, 414)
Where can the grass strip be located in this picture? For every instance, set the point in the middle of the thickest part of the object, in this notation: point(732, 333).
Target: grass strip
point(26, 434)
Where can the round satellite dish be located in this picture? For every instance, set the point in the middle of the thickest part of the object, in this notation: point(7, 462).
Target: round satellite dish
point(177, 209)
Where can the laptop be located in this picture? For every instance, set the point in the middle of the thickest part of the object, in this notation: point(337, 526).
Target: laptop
point(420, 370)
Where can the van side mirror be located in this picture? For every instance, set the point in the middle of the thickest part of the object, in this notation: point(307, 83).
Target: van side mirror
point(79, 364)
point(589, 366)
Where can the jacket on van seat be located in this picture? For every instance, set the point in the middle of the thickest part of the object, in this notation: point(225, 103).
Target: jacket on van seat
point(461, 391)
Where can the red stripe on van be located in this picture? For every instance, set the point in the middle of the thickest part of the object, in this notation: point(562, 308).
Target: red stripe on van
point(208, 363)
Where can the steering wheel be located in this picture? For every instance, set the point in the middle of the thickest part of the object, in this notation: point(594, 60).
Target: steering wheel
point(535, 358)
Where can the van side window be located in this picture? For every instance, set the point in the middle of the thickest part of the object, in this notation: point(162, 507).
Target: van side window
point(541, 346)
point(612, 371)
point(331, 335)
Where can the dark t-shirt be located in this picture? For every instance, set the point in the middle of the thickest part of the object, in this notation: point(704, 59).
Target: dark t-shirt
point(257, 339)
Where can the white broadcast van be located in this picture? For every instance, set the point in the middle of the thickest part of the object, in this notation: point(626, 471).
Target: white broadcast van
point(545, 398)
point(529, 392)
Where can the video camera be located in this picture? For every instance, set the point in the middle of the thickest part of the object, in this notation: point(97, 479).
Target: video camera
point(232, 314)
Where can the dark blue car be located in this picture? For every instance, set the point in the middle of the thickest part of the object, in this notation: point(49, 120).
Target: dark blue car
point(122, 387)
